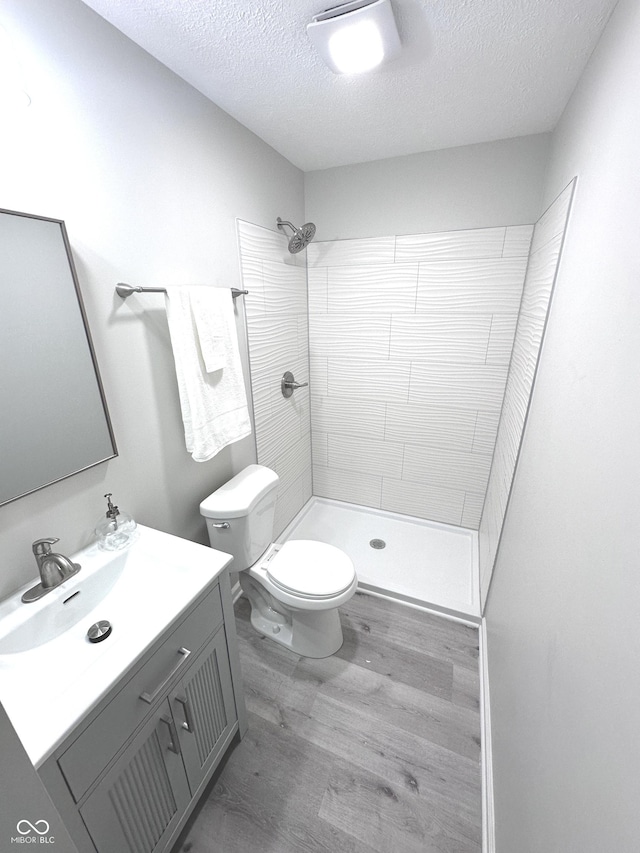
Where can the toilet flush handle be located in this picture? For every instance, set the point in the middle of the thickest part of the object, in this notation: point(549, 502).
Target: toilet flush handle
point(221, 525)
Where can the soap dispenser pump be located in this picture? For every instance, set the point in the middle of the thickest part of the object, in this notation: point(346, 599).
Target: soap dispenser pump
point(116, 529)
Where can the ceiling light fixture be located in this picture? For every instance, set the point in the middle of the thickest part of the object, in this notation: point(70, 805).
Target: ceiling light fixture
point(356, 36)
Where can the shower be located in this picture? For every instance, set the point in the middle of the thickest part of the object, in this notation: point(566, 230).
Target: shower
point(301, 236)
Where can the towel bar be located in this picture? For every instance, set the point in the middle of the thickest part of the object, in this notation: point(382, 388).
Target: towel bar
point(125, 290)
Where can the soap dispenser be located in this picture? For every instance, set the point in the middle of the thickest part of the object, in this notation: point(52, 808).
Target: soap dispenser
point(116, 530)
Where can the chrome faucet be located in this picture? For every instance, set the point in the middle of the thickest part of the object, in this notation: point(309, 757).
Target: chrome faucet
point(54, 569)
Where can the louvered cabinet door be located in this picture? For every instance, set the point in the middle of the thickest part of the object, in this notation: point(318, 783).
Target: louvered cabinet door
point(141, 799)
point(204, 709)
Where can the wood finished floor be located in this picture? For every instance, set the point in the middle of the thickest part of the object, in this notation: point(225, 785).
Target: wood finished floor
point(374, 750)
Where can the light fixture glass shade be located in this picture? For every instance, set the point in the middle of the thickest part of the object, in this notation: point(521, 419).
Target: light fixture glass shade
point(357, 36)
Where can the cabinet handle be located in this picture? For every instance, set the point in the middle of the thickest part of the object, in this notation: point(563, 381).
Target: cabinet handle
point(150, 698)
point(188, 717)
point(174, 745)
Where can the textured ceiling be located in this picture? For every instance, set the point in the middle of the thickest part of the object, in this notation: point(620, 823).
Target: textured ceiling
point(471, 70)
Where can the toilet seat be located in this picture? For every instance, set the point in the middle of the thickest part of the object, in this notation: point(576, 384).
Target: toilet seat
point(309, 569)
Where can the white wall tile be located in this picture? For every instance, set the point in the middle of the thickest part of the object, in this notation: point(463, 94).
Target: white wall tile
point(440, 337)
point(545, 253)
point(290, 501)
point(319, 452)
point(473, 503)
point(475, 243)
point(484, 286)
point(253, 281)
point(517, 241)
point(276, 311)
point(427, 425)
point(446, 468)
point(464, 386)
point(364, 489)
point(360, 378)
point(503, 330)
point(374, 250)
point(486, 429)
point(317, 287)
point(344, 415)
point(278, 432)
point(410, 342)
point(354, 335)
point(259, 242)
point(363, 454)
point(291, 465)
point(364, 289)
point(285, 288)
point(422, 500)
point(318, 376)
point(553, 220)
point(273, 343)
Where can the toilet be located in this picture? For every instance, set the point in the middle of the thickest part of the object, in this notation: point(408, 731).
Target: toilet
point(295, 588)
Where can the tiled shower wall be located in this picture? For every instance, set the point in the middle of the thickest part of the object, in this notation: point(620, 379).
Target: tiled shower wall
point(276, 310)
point(410, 339)
point(546, 246)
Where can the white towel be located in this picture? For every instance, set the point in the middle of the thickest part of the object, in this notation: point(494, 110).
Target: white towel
point(210, 381)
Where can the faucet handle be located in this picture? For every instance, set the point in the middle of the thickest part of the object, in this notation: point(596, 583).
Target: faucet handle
point(42, 547)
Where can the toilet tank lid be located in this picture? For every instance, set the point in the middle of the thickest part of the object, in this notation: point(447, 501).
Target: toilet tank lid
point(239, 495)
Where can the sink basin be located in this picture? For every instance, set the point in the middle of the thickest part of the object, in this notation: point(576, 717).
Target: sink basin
point(62, 608)
point(45, 653)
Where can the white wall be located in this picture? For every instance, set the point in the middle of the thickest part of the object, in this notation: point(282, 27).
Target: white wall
point(474, 186)
point(149, 177)
point(562, 614)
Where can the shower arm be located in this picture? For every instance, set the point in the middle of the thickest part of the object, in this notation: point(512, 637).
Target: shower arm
point(282, 222)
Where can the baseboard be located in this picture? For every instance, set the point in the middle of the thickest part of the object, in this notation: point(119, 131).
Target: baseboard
point(416, 604)
point(488, 819)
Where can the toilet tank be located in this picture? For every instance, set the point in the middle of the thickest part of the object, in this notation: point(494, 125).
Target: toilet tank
point(240, 515)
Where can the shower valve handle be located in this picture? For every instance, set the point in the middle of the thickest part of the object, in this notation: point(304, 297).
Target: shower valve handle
point(289, 384)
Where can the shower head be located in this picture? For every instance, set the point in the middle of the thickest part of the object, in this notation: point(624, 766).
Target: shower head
point(301, 236)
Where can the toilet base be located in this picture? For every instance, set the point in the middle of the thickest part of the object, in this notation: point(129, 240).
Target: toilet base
point(308, 633)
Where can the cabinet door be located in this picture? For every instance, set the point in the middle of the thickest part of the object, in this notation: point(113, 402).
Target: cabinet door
point(140, 800)
point(204, 709)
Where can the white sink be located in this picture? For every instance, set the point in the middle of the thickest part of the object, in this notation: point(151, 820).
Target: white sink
point(41, 622)
point(46, 659)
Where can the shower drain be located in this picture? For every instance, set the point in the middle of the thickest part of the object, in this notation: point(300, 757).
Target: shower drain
point(378, 544)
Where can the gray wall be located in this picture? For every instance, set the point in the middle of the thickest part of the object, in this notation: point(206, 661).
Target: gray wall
point(562, 614)
point(149, 177)
point(474, 186)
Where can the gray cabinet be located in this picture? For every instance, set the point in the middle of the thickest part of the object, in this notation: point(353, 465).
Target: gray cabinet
point(140, 800)
point(128, 777)
point(203, 710)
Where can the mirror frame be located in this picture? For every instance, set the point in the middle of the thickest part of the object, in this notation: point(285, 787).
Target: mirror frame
point(92, 353)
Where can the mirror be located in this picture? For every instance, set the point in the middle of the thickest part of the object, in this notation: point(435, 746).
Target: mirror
point(54, 419)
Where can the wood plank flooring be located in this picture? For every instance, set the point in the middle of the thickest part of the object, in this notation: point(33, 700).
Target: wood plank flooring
point(374, 750)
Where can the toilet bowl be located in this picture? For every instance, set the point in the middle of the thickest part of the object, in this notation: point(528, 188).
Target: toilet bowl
point(294, 588)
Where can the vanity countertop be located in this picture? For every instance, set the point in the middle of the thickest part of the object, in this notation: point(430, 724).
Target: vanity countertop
point(47, 689)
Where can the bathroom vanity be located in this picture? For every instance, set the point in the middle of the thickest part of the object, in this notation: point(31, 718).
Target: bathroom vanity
point(126, 770)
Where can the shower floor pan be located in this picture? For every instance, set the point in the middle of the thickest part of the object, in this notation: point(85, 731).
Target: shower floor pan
point(423, 563)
